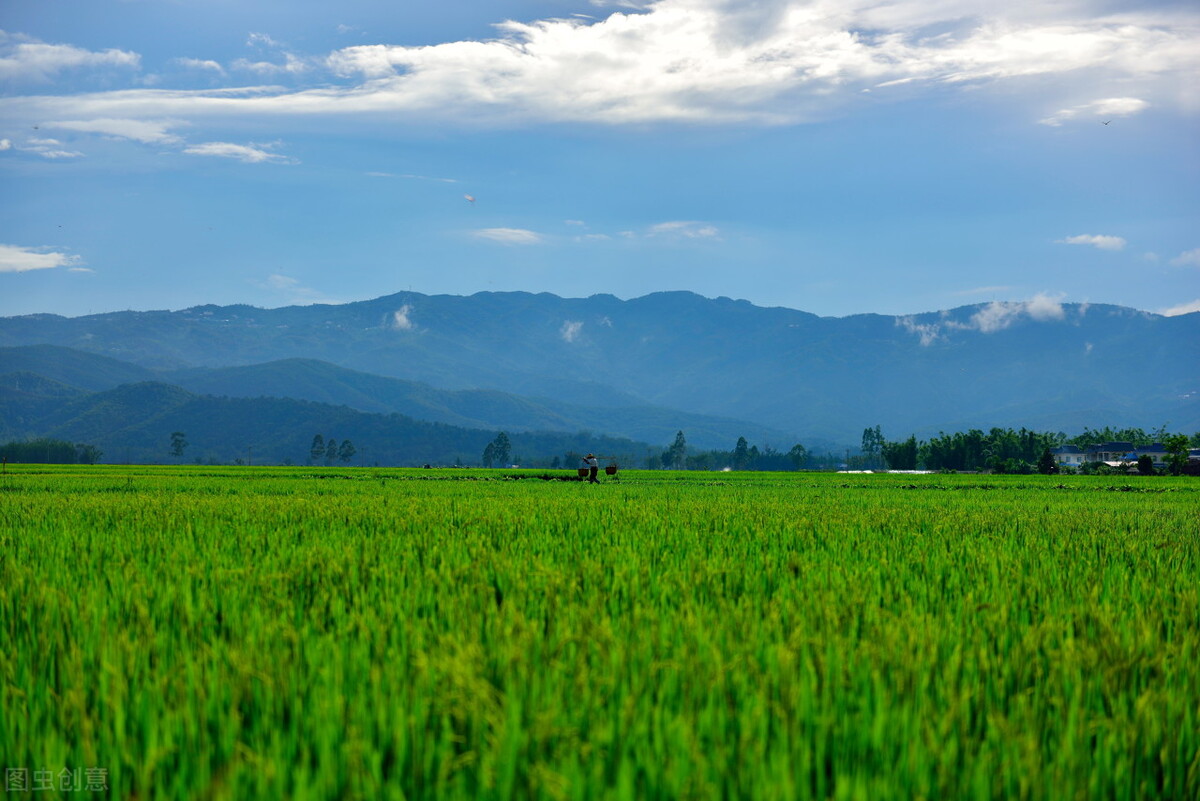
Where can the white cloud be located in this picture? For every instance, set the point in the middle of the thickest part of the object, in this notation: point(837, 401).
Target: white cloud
point(685, 228)
point(260, 40)
point(1188, 257)
point(1182, 308)
point(570, 330)
point(928, 332)
point(203, 64)
point(1042, 307)
point(776, 61)
point(1101, 241)
point(31, 60)
point(48, 149)
point(6, 144)
point(17, 259)
point(995, 316)
point(1108, 108)
point(400, 320)
point(244, 153)
point(80, 270)
point(147, 131)
point(510, 236)
point(293, 65)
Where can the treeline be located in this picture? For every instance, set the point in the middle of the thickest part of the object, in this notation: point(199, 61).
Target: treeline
point(744, 456)
point(1000, 450)
point(1004, 450)
point(50, 451)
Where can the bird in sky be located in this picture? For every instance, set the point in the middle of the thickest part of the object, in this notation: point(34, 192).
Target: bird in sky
point(470, 199)
point(1105, 123)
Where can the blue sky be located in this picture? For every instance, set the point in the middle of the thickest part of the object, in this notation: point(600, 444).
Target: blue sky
point(833, 156)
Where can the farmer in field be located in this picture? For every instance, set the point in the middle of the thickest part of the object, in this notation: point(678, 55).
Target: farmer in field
point(593, 467)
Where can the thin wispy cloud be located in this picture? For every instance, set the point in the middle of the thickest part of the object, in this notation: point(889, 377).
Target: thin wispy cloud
point(146, 131)
point(1100, 241)
point(293, 65)
point(247, 154)
point(261, 40)
point(292, 291)
point(509, 236)
point(18, 259)
point(688, 229)
point(981, 290)
point(203, 64)
point(1182, 308)
point(48, 148)
point(412, 177)
point(1105, 110)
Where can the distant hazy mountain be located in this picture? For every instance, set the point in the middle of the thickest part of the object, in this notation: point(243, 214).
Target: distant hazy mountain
point(313, 380)
point(133, 423)
point(1037, 364)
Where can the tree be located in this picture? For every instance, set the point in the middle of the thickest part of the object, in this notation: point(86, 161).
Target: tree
point(489, 454)
point(1145, 465)
point(1046, 464)
point(872, 446)
point(675, 457)
point(741, 454)
point(87, 454)
point(900, 455)
point(503, 448)
point(331, 450)
point(317, 449)
point(346, 451)
point(178, 443)
point(798, 455)
point(41, 451)
point(1177, 453)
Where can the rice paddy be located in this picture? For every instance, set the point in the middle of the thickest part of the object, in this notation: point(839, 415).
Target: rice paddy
point(299, 633)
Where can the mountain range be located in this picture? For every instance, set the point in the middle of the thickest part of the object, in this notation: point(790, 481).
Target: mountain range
point(640, 369)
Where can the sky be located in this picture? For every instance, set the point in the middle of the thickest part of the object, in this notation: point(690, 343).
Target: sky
point(834, 156)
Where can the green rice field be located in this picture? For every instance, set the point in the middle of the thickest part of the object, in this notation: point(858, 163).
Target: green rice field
point(304, 633)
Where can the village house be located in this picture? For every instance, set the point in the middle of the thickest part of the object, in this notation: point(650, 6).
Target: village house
point(1067, 455)
point(1157, 452)
point(1113, 454)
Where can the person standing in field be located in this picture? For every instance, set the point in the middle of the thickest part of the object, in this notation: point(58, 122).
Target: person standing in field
point(593, 467)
